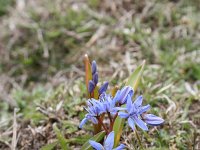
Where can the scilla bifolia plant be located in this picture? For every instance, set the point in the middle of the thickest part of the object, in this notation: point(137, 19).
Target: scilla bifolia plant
point(117, 107)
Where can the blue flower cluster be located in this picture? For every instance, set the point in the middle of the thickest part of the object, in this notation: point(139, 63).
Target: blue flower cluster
point(134, 112)
point(92, 83)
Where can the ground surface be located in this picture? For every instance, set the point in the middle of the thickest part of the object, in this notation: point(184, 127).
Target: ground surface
point(41, 67)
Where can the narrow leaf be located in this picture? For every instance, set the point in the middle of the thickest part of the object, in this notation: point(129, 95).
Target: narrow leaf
point(164, 88)
point(98, 137)
point(79, 139)
point(88, 70)
point(133, 81)
point(61, 138)
point(49, 146)
point(96, 93)
point(117, 128)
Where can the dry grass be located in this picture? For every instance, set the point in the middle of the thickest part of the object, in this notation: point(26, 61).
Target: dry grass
point(41, 49)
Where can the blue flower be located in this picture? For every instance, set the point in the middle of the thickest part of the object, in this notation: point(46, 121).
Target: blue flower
point(122, 95)
point(108, 143)
point(107, 103)
point(94, 110)
point(134, 112)
point(88, 117)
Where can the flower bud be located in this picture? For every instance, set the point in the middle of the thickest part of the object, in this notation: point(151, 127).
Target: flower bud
point(95, 78)
point(94, 67)
point(103, 88)
point(91, 86)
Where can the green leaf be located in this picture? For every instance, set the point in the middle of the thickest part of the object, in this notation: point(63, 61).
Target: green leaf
point(117, 128)
point(133, 81)
point(79, 139)
point(98, 137)
point(96, 93)
point(61, 138)
point(49, 146)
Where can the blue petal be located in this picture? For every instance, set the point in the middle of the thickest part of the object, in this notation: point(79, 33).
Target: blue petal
point(94, 120)
point(133, 110)
point(109, 142)
point(124, 93)
point(103, 88)
point(113, 112)
point(95, 78)
point(140, 123)
point(129, 104)
point(123, 115)
point(88, 104)
point(131, 123)
point(83, 122)
point(138, 101)
point(144, 109)
point(117, 96)
point(96, 145)
point(91, 86)
point(153, 120)
point(120, 147)
point(112, 103)
point(98, 110)
point(120, 108)
point(94, 67)
point(102, 108)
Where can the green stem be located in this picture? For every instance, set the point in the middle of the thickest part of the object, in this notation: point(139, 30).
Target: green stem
point(115, 117)
point(138, 137)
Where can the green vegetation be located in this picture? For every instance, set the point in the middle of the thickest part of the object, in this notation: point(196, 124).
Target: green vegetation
point(41, 67)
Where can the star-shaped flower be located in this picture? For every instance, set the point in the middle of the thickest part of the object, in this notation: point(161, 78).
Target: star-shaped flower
point(94, 109)
point(134, 112)
point(107, 103)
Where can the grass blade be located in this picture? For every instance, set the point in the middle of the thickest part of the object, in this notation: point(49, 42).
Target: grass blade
point(61, 138)
point(134, 79)
point(49, 146)
point(98, 137)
